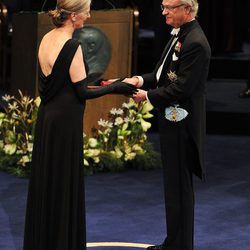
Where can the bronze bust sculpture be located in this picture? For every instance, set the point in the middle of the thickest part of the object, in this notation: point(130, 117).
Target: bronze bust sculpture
point(96, 49)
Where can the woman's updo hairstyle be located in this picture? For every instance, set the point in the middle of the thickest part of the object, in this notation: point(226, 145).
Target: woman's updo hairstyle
point(64, 8)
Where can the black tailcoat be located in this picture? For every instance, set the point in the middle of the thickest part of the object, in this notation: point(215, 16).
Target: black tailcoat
point(189, 59)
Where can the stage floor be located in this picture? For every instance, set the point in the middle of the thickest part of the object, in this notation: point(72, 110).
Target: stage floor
point(129, 207)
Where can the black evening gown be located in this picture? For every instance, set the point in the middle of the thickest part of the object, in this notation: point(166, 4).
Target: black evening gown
point(55, 215)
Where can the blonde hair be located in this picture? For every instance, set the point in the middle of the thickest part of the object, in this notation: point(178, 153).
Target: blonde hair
point(64, 8)
point(193, 4)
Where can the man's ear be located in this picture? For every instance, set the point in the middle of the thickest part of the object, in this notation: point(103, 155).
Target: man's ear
point(188, 9)
point(73, 17)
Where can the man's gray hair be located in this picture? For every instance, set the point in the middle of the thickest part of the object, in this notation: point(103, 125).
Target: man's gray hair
point(194, 5)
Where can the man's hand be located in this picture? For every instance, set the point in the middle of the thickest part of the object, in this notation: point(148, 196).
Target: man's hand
point(141, 95)
point(133, 80)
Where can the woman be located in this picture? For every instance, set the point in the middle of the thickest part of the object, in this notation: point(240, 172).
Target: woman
point(55, 216)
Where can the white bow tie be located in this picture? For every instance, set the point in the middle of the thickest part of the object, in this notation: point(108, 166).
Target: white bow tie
point(175, 31)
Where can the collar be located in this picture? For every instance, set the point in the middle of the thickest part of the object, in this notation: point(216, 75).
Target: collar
point(175, 31)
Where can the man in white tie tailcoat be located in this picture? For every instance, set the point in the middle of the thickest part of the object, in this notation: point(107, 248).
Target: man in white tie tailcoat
point(177, 89)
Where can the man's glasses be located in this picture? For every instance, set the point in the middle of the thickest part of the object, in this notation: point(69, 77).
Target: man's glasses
point(170, 8)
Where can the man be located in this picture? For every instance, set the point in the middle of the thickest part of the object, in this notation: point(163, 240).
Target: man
point(179, 79)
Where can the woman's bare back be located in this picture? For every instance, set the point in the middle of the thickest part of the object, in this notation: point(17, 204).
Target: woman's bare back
point(49, 49)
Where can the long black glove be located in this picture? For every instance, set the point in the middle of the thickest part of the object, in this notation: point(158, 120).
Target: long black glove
point(84, 92)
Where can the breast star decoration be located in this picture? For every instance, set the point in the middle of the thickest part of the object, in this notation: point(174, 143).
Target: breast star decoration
point(173, 112)
point(172, 76)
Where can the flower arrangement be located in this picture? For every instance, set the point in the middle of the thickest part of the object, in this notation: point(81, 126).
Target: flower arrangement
point(121, 141)
point(16, 133)
point(118, 143)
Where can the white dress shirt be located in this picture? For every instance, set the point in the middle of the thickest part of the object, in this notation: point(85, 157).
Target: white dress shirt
point(158, 74)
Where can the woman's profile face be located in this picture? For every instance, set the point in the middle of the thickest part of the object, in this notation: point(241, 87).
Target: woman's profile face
point(81, 18)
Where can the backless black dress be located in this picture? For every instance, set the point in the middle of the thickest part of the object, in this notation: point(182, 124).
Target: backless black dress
point(55, 215)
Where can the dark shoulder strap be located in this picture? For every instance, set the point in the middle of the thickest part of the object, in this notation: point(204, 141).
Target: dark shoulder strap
point(49, 88)
point(66, 55)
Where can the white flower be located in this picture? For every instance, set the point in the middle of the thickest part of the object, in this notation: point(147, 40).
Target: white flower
point(126, 119)
point(92, 142)
point(118, 121)
point(115, 111)
point(138, 149)
point(130, 156)
point(24, 160)
point(102, 123)
point(110, 125)
point(13, 106)
point(7, 98)
point(26, 99)
point(105, 124)
point(30, 147)
point(130, 104)
point(92, 153)
point(120, 112)
point(112, 111)
point(107, 131)
point(10, 149)
point(125, 105)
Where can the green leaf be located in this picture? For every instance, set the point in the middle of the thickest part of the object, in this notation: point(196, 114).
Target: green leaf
point(85, 162)
point(11, 137)
point(2, 115)
point(125, 126)
point(147, 106)
point(145, 125)
point(148, 115)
